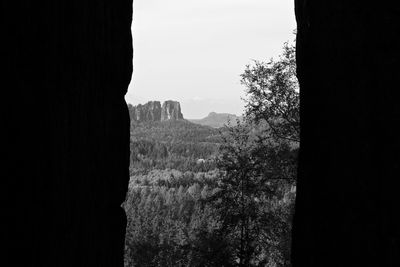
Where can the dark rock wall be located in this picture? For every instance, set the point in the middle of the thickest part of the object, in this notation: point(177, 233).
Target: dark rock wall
point(347, 194)
point(67, 64)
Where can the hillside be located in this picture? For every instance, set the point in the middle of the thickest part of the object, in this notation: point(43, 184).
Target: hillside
point(180, 131)
point(173, 144)
point(217, 120)
point(162, 139)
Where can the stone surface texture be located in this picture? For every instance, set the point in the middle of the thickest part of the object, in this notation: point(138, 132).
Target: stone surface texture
point(67, 66)
point(171, 110)
point(153, 111)
point(348, 59)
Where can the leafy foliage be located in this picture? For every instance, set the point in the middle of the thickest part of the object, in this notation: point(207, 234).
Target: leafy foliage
point(273, 94)
point(254, 198)
point(173, 226)
point(258, 160)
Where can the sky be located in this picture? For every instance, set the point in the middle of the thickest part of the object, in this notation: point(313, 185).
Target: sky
point(193, 51)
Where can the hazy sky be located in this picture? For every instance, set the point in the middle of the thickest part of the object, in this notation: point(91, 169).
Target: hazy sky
point(194, 51)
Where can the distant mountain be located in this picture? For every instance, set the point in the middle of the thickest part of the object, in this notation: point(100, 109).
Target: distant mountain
point(153, 111)
point(217, 120)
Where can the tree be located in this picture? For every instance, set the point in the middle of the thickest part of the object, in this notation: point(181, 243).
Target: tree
point(273, 94)
point(242, 193)
point(258, 163)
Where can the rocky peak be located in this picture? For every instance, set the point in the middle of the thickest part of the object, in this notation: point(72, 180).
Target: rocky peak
point(153, 111)
point(171, 110)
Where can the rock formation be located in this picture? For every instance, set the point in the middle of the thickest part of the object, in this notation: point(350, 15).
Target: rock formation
point(171, 110)
point(67, 65)
point(347, 191)
point(147, 112)
point(153, 111)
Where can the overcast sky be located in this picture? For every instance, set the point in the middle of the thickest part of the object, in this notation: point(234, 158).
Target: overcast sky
point(194, 51)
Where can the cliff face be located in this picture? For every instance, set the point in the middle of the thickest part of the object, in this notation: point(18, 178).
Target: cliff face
point(147, 112)
point(67, 64)
point(171, 110)
point(347, 189)
point(153, 111)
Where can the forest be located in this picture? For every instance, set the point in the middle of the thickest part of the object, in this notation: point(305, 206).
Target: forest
point(200, 196)
point(176, 144)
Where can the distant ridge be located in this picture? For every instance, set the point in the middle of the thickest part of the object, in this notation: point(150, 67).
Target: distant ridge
point(217, 120)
